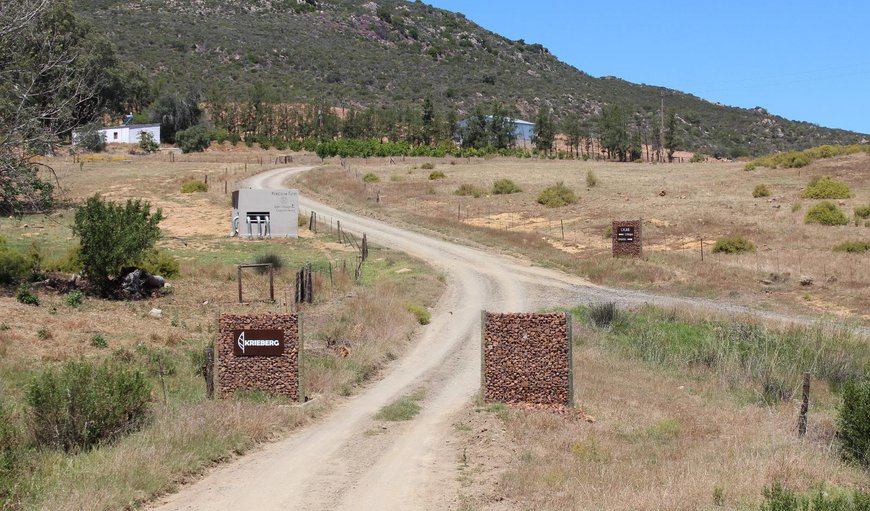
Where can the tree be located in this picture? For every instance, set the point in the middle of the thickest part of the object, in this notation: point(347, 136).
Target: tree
point(545, 131)
point(113, 236)
point(55, 74)
point(91, 138)
point(671, 138)
point(193, 139)
point(572, 127)
point(613, 125)
point(147, 142)
point(501, 129)
point(474, 132)
point(175, 113)
point(428, 121)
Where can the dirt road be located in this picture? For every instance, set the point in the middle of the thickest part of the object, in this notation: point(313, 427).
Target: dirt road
point(348, 460)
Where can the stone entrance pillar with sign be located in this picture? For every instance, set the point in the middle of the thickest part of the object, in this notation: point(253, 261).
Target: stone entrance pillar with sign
point(627, 238)
point(258, 352)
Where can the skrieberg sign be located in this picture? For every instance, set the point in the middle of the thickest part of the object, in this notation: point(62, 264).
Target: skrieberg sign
point(258, 343)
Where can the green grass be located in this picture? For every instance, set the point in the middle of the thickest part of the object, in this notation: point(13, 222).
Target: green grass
point(504, 187)
point(760, 191)
point(403, 409)
point(466, 190)
point(193, 186)
point(371, 178)
point(853, 247)
point(797, 159)
point(421, 313)
point(741, 353)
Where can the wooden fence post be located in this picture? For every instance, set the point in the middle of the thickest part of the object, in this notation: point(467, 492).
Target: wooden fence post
point(805, 406)
point(208, 372)
point(239, 278)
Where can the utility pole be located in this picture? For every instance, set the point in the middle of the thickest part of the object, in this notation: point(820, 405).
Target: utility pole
point(662, 127)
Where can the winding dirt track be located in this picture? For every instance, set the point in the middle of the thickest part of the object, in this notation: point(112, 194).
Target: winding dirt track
point(347, 461)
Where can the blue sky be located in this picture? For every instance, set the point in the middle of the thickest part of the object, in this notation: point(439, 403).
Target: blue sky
point(804, 60)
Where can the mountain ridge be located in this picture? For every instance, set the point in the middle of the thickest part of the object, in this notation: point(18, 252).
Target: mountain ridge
point(393, 52)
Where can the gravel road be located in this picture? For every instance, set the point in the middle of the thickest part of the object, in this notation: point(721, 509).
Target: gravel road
point(348, 460)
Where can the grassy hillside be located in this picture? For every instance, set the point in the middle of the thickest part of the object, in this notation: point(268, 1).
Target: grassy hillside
point(397, 52)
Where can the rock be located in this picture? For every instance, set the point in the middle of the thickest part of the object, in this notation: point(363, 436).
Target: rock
point(662, 193)
point(766, 282)
point(156, 313)
point(806, 280)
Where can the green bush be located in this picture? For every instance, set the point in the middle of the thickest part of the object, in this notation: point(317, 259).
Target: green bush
point(854, 421)
point(113, 236)
point(556, 196)
point(825, 213)
point(91, 138)
point(74, 298)
point(159, 263)
point(273, 259)
point(697, 158)
point(83, 405)
point(234, 138)
point(371, 178)
point(193, 185)
point(826, 188)
point(98, 341)
point(853, 247)
point(761, 191)
point(779, 498)
point(505, 187)
point(147, 142)
point(603, 314)
point(421, 313)
point(10, 453)
point(193, 139)
point(25, 296)
point(591, 179)
point(465, 190)
point(427, 166)
point(69, 263)
point(436, 175)
point(733, 245)
point(608, 232)
point(863, 212)
point(14, 267)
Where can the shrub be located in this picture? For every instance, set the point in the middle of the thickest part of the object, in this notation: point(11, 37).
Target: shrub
point(761, 191)
point(13, 266)
point(273, 259)
point(234, 138)
point(505, 187)
point(91, 138)
point(863, 212)
point(421, 313)
point(193, 185)
point(733, 245)
point(608, 232)
point(69, 263)
point(853, 247)
point(826, 188)
point(83, 405)
point(465, 190)
point(427, 166)
point(159, 263)
point(147, 142)
point(74, 298)
point(10, 448)
point(25, 296)
point(371, 178)
point(825, 213)
point(556, 196)
point(697, 158)
point(193, 139)
point(591, 179)
point(113, 236)
point(854, 421)
point(436, 175)
point(98, 341)
point(603, 314)
point(779, 498)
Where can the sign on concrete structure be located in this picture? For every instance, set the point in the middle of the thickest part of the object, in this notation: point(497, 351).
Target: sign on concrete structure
point(265, 213)
point(258, 352)
point(627, 238)
point(526, 358)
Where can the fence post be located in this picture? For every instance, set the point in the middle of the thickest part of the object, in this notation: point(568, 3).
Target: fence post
point(208, 372)
point(239, 278)
point(805, 406)
point(702, 250)
point(271, 283)
point(309, 285)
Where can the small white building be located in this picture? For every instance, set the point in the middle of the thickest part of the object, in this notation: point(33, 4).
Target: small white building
point(126, 134)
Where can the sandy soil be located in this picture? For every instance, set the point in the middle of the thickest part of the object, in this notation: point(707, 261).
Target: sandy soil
point(350, 461)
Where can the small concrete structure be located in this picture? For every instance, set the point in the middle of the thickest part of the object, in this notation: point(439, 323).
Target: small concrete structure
point(265, 213)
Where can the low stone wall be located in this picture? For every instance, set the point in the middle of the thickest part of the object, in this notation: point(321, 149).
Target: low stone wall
point(526, 358)
point(627, 238)
point(258, 352)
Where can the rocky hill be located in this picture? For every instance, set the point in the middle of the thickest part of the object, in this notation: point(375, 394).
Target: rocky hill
point(393, 52)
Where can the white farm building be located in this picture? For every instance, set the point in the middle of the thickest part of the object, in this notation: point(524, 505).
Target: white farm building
point(126, 134)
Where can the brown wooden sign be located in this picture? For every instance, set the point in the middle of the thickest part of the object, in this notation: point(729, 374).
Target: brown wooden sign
point(627, 238)
point(258, 343)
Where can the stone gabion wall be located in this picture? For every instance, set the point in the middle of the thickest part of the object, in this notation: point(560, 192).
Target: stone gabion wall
point(628, 249)
point(277, 375)
point(527, 359)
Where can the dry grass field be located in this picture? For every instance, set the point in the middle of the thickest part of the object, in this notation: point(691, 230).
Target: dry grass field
point(188, 432)
point(680, 205)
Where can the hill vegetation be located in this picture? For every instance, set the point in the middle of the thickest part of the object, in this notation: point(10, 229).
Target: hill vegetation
point(385, 55)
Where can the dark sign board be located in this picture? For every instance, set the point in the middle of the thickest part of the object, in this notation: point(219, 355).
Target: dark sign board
point(625, 234)
point(258, 343)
